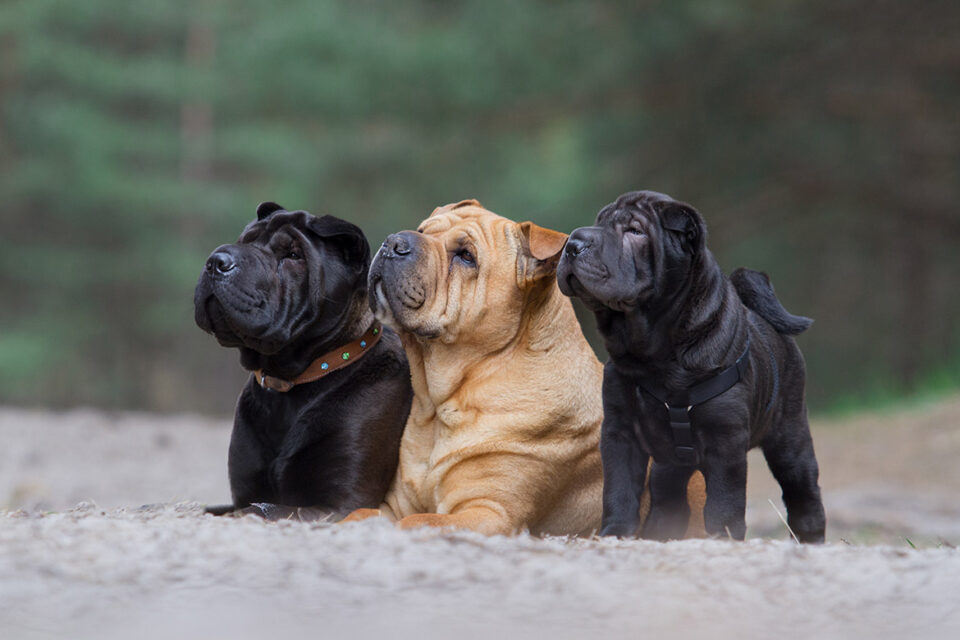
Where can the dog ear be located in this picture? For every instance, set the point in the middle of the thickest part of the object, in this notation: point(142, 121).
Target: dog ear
point(541, 251)
point(266, 209)
point(456, 205)
point(348, 236)
point(684, 220)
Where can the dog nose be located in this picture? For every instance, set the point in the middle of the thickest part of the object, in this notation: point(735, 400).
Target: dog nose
point(576, 245)
point(221, 262)
point(398, 244)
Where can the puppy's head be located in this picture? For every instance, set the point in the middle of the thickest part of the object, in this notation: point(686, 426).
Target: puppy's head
point(466, 274)
point(290, 276)
point(642, 248)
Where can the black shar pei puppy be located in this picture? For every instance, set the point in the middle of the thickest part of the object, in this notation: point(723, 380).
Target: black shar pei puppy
point(319, 422)
point(702, 368)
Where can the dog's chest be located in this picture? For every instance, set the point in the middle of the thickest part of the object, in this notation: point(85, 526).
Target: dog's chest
point(653, 430)
point(430, 448)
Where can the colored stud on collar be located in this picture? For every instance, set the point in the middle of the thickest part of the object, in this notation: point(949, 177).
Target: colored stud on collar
point(323, 365)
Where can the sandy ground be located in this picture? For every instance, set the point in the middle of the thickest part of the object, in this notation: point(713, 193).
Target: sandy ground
point(110, 567)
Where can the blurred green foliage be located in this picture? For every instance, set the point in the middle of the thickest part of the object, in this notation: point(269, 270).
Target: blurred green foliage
point(820, 139)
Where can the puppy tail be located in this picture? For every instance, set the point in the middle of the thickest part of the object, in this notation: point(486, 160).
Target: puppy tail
point(757, 293)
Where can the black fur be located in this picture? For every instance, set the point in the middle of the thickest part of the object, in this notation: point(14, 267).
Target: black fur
point(756, 291)
point(668, 313)
point(291, 289)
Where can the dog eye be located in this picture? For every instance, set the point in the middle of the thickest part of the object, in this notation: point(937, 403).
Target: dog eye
point(293, 254)
point(466, 256)
point(635, 231)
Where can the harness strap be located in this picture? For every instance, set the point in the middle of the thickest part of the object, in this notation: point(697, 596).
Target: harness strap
point(682, 435)
point(679, 403)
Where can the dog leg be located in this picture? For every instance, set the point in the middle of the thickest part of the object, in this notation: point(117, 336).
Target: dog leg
point(725, 511)
point(624, 460)
point(669, 510)
point(790, 456)
point(624, 475)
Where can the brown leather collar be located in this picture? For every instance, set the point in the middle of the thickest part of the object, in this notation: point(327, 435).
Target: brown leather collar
point(327, 363)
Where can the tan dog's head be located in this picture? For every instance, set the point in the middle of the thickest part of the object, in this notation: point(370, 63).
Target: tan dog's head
point(466, 274)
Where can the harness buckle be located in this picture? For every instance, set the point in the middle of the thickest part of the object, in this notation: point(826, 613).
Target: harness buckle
point(686, 455)
point(683, 443)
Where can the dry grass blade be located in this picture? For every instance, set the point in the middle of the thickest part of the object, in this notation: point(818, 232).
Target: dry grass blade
point(784, 521)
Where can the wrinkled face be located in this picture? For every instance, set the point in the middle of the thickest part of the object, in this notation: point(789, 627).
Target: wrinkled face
point(290, 275)
point(642, 249)
point(464, 275)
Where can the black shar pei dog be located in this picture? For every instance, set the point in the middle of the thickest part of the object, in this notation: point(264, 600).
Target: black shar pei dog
point(702, 368)
point(319, 422)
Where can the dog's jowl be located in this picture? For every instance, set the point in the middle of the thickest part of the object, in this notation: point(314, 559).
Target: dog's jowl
point(319, 422)
point(702, 368)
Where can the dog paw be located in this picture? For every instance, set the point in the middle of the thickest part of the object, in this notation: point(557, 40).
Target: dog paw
point(361, 514)
point(618, 529)
point(425, 520)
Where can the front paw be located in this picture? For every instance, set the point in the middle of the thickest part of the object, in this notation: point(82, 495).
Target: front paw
point(361, 514)
point(619, 529)
point(734, 529)
point(418, 520)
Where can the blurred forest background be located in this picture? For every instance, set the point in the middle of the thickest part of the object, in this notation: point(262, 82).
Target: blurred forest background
point(819, 138)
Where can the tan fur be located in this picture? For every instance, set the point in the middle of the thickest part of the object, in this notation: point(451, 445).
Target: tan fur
point(696, 499)
point(504, 431)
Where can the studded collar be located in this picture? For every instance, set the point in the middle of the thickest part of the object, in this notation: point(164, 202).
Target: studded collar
point(325, 364)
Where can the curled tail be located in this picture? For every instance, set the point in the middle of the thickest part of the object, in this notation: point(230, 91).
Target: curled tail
point(757, 293)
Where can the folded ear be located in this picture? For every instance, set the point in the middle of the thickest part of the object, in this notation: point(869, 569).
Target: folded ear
point(266, 209)
point(347, 236)
point(456, 205)
point(686, 222)
point(541, 249)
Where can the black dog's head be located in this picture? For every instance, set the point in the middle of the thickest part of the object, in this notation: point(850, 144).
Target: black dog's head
point(644, 246)
point(290, 277)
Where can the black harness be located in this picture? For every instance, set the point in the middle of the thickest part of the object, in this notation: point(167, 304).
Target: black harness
point(679, 403)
